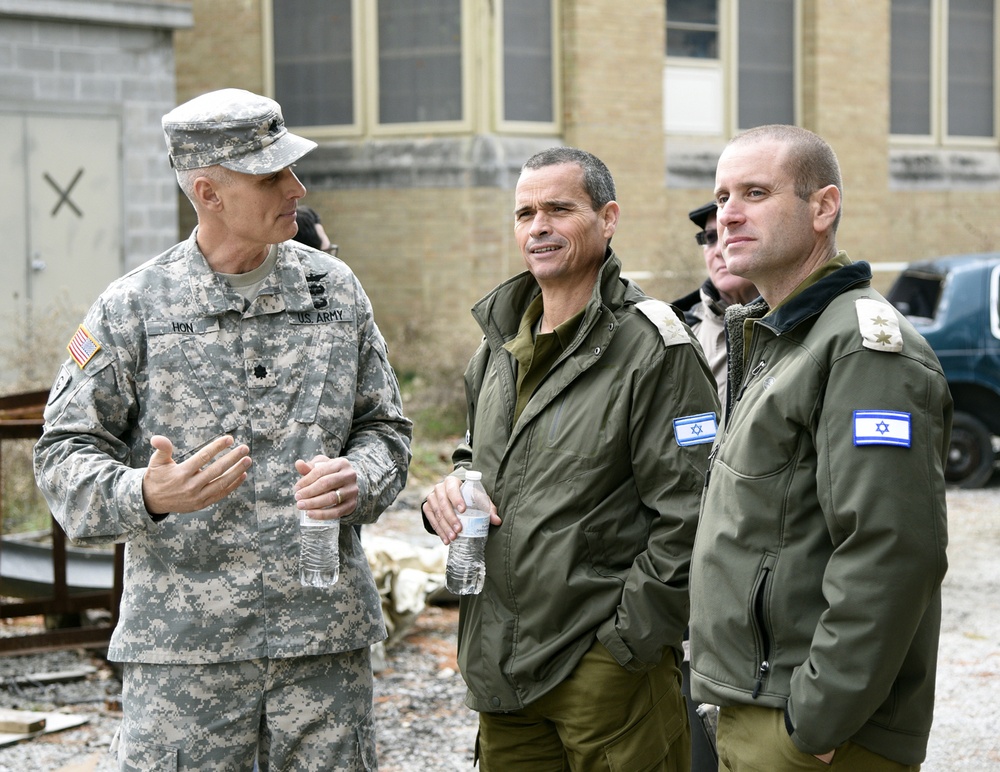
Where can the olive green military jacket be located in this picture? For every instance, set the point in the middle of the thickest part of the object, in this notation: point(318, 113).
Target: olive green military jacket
point(816, 578)
point(597, 484)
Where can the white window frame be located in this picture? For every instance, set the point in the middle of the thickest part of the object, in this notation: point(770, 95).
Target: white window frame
point(939, 135)
point(480, 28)
point(683, 76)
point(731, 40)
point(526, 127)
point(370, 55)
point(725, 71)
point(330, 131)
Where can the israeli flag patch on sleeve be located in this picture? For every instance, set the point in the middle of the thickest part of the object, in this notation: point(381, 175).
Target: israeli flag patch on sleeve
point(881, 427)
point(695, 429)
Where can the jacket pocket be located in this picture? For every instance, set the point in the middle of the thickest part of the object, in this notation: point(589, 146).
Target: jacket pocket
point(612, 552)
point(194, 398)
point(329, 385)
point(650, 741)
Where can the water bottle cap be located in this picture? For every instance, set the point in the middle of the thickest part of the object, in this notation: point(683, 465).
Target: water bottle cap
point(472, 474)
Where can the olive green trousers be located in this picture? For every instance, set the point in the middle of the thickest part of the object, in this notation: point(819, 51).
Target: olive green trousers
point(600, 718)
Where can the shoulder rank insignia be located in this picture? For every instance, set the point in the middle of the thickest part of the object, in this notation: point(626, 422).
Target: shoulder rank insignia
point(665, 320)
point(83, 346)
point(879, 325)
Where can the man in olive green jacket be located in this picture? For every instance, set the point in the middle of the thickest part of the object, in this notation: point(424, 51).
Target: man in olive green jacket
point(590, 417)
point(816, 577)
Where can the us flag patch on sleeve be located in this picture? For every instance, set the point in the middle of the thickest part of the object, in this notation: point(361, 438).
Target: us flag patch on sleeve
point(83, 346)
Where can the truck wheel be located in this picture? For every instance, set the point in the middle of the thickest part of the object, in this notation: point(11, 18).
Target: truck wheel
point(970, 455)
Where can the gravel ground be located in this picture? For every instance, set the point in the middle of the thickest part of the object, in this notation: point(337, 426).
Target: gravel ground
point(424, 726)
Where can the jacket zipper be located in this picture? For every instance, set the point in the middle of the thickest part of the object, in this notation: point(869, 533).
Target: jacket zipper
point(749, 379)
point(746, 382)
point(758, 608)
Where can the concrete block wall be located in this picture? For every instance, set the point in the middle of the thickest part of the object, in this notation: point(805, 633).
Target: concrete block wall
point(103, 58)
point(73, 59)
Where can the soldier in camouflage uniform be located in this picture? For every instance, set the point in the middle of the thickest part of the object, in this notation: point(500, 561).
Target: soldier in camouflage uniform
point(210, 395)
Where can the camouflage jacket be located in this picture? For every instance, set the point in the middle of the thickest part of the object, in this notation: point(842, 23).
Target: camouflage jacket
point(171, 349)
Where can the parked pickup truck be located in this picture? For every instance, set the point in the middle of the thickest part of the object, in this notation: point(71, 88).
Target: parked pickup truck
point(955, 303)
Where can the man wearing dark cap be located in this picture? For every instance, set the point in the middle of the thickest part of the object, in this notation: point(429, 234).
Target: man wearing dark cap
point(705, 308)
point(211, 396)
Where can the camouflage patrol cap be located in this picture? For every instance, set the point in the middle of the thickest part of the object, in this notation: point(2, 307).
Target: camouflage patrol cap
point(233, 128)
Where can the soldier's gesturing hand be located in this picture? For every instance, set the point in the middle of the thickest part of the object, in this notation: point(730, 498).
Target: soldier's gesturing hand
point(197, 482)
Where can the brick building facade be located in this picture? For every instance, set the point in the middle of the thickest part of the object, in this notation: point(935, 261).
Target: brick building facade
point(424, 214)
point(419, 195)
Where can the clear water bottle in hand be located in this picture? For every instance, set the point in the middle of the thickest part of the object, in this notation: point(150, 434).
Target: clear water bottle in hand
point(319, 556)
point(466, 569)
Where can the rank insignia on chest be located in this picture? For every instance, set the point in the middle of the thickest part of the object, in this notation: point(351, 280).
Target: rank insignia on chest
point(83, 346)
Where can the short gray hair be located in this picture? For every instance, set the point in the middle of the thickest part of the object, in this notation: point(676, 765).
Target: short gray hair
point(186, 177)
point(597, 180)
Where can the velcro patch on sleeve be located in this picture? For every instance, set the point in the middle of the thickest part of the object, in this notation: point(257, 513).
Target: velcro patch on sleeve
point(879, 325)
point(665, 320)
point(83, 346)
point(881, 427)
point(695, 429)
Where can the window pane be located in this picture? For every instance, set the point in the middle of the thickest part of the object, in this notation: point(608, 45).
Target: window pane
point(970, 68)
point(420, 60)
point(693, 28)
point(767, 62)
point(527, 60)
point(910, 87)
point(313, 61)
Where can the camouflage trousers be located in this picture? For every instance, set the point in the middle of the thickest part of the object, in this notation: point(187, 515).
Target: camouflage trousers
point(307, 714)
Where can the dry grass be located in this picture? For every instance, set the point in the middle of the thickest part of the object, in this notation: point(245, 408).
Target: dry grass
point(31, 357)
point(430, 363)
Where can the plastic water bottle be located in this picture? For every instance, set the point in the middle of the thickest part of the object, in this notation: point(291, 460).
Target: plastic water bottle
point(466, 569)
point(319, 556)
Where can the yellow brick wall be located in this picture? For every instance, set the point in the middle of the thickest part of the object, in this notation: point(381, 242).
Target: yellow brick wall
point(611, 61)
point(425, 254)
point(223, 48)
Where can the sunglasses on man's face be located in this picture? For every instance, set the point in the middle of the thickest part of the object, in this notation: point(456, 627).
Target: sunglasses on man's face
point(706, 238)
